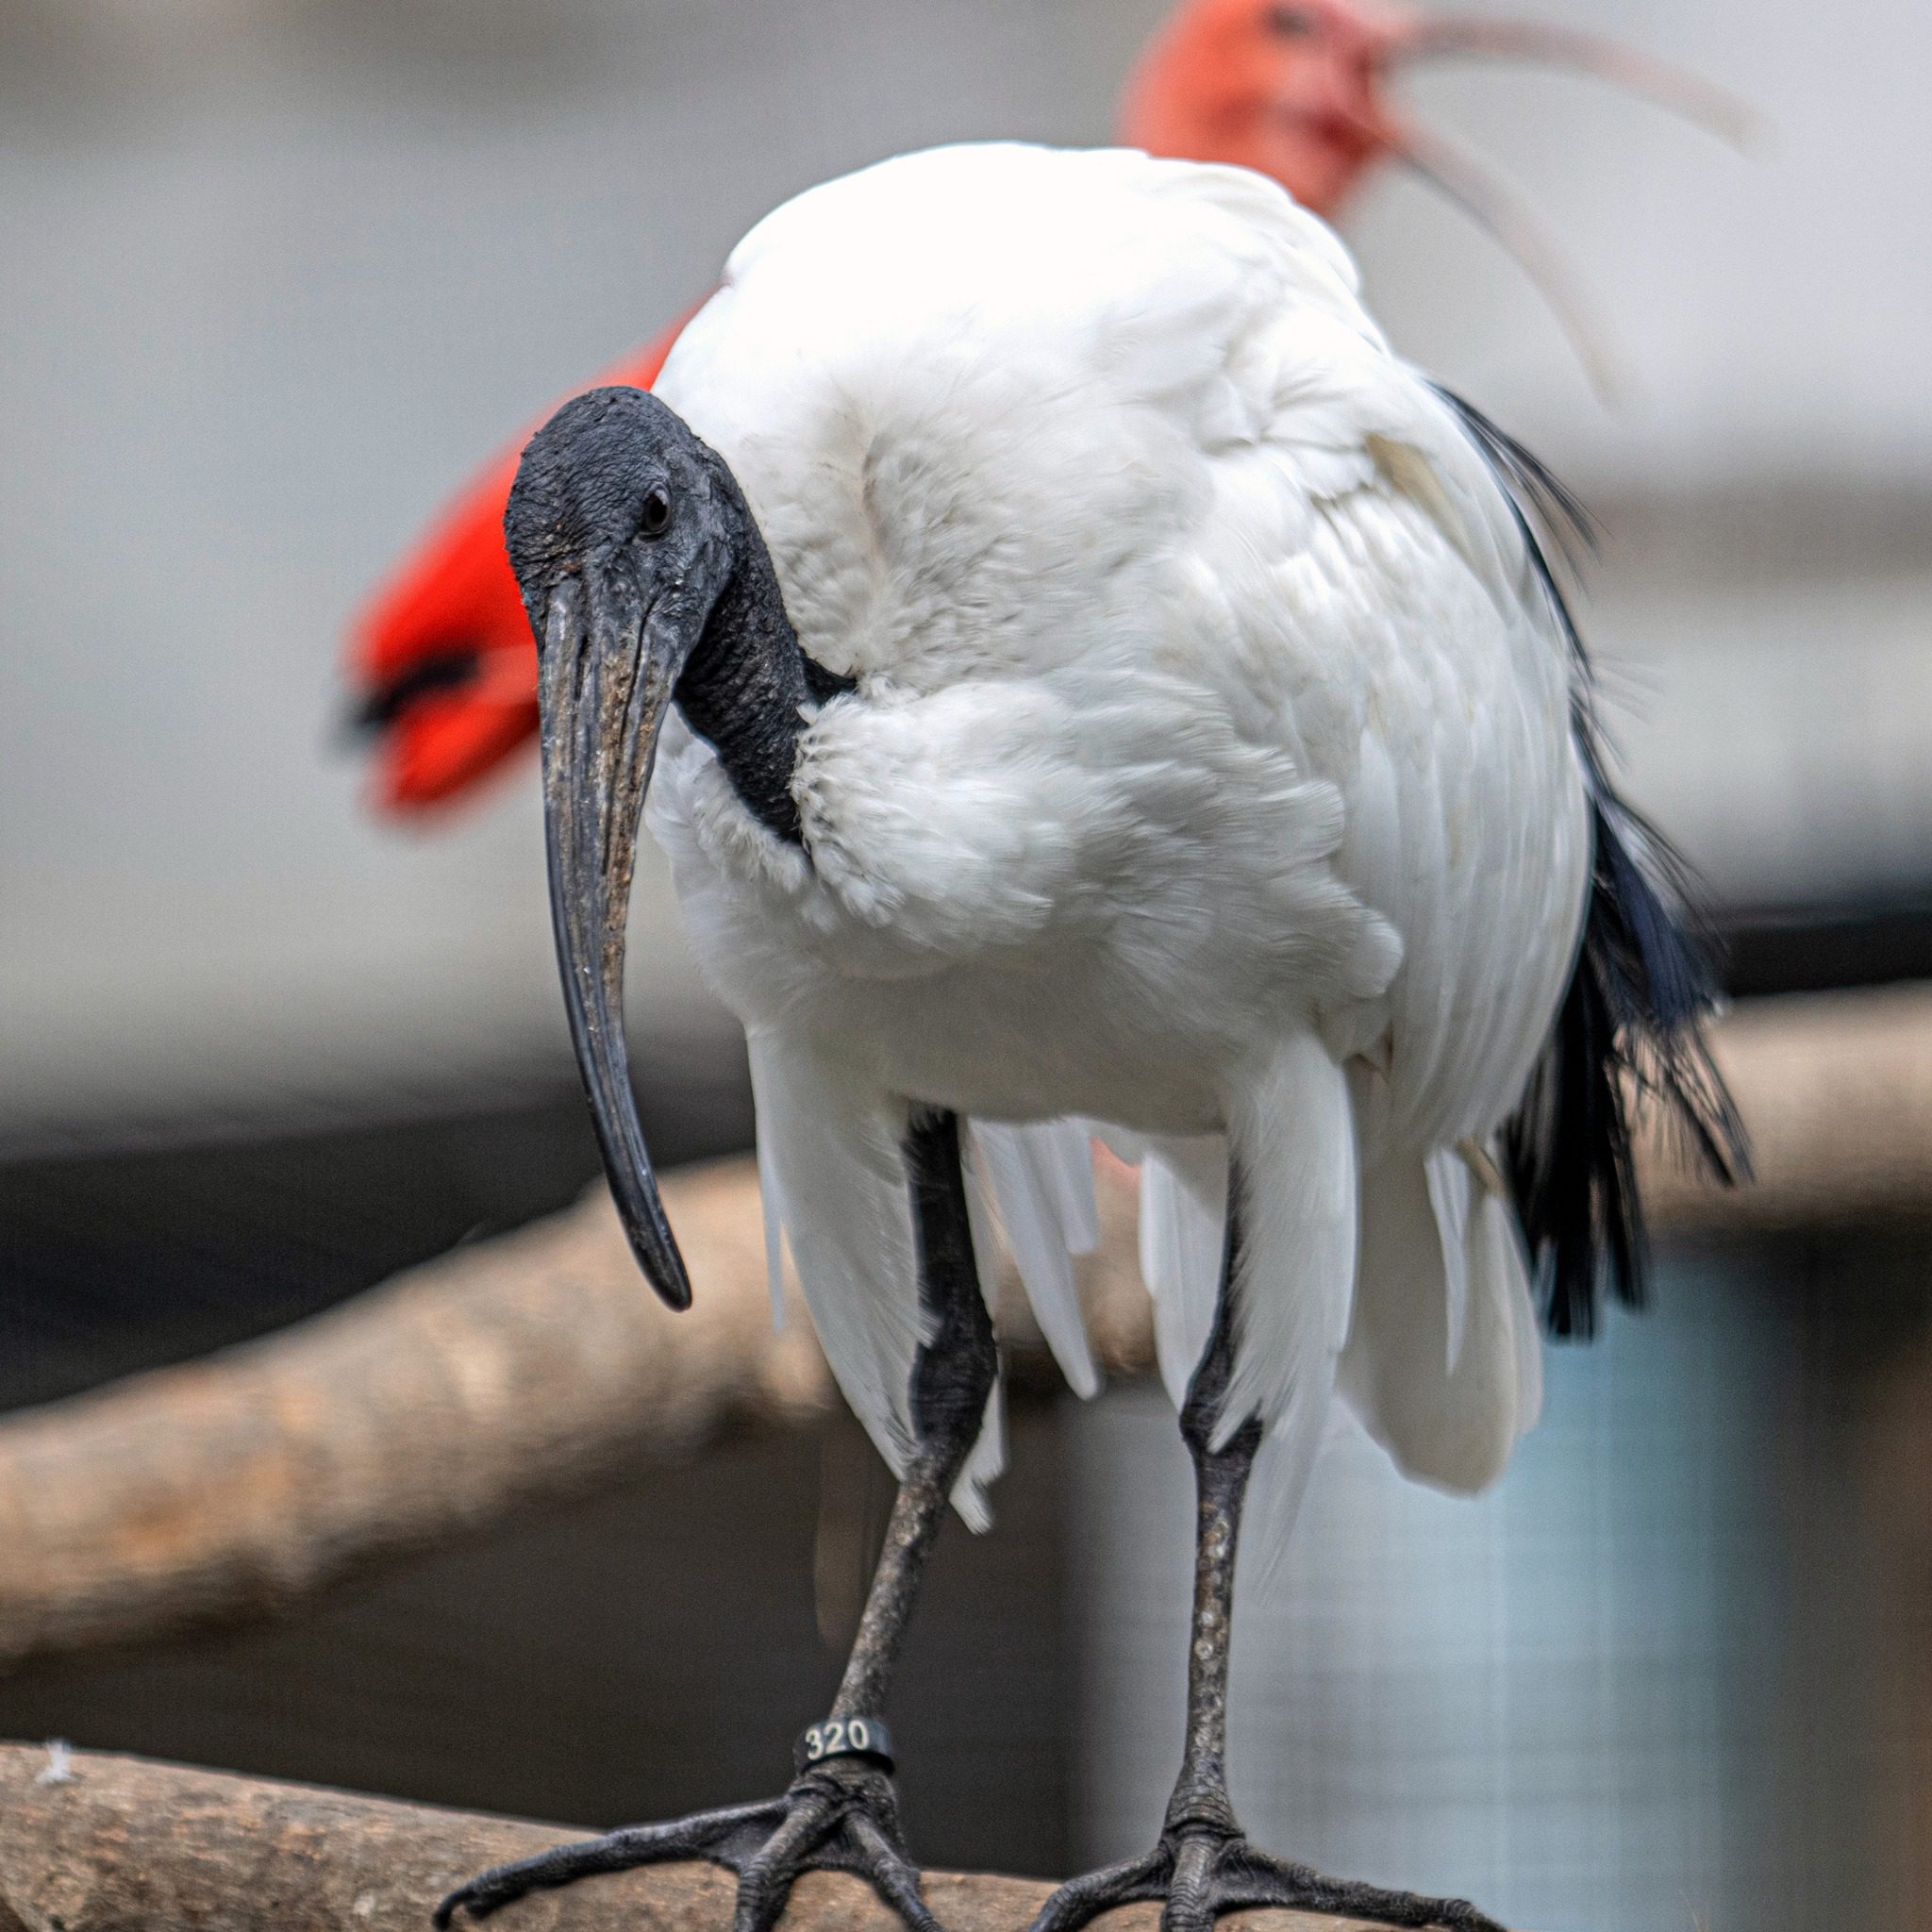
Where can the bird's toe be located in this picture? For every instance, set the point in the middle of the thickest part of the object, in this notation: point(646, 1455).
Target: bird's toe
point(892, 1874)
point(836, 1818)
point(1195, 1893)
point(1248, 1878)
point(1199, 1876)
point(1085, 1898)
point(718, 1837)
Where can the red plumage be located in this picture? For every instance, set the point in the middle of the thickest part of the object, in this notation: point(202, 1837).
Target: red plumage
point(455, 599)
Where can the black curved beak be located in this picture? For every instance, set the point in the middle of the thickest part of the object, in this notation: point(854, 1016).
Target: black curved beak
point(609, 665)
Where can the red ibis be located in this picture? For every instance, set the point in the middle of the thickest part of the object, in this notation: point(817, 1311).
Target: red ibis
point(1087, 684)
point(441, 659)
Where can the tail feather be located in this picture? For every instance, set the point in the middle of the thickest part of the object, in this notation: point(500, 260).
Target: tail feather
point(1630, 1034)
point(1042, 1180)
point(1447, 1407)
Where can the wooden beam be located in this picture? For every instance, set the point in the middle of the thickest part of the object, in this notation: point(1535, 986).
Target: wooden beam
point(96, 1843)
point(1836, 1089)
point(505, 1372)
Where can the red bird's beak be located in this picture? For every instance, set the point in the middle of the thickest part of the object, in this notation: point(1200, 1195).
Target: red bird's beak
point(442, 668)
point(1432, 36)
point(1299, 90)
point(1484, 196)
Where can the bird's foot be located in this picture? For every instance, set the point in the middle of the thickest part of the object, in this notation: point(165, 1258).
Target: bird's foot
point(839, 1816)
point(1202, 1871)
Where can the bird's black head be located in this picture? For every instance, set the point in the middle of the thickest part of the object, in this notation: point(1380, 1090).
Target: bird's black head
point(615, 487)
point(625, 531)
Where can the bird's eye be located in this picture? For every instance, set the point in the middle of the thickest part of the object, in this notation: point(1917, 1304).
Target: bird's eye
point(655, 518)
point(1290, 23)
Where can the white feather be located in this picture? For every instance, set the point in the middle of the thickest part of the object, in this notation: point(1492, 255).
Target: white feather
point(984, 1466)
point(836, 1161)
point(1043, 1180)
point(1279, 1485)
point(1211, 762)
point(1450, 1185)
point(774, 1221)
point(1294, 1142)
point(1183, 1218)
point(1064, 1153)
point(982, 1223)
point(832, 1163)
point(1448, 1422)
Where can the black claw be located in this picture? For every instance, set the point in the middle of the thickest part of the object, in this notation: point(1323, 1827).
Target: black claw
point(1202, 1875)
point(894, 1878)
point(832, 1820)
point(704, 1836)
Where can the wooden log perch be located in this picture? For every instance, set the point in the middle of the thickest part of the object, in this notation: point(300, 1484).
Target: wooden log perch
point(506, 1372)
point(540, 1364)
point(532, 1367)
point(1836, 1089)
point(91, 1842)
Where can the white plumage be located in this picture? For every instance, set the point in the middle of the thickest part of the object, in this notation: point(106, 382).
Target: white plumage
point(1213, 780)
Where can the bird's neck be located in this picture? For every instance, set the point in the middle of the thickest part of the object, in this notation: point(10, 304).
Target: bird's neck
point(746, 687)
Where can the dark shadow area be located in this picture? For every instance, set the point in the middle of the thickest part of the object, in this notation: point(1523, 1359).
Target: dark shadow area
point(635, 1657)
point(1816, 948)
point(118, 1262)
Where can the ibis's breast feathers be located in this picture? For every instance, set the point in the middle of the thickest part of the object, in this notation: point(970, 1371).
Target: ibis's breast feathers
point(1184, 612)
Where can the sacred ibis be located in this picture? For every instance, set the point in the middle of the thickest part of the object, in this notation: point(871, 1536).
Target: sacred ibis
point(440, 661)
point(1086, 683)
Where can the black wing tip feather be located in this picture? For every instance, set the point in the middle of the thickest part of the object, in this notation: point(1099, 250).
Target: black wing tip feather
point(1629, 1035)
point(1629, 1039)
point(1543, 501)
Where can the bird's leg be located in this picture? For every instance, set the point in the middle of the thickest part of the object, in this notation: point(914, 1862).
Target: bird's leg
point(840, 1812)
point(1204, 1865)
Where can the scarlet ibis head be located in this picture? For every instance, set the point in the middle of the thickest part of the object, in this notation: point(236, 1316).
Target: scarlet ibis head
point(1299, 91)
point(644, 577)
point(1290, 87)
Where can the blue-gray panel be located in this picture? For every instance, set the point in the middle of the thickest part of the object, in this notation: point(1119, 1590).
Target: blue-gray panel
point(1667, 1673)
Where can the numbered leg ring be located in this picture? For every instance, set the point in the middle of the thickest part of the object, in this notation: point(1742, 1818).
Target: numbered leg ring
point(844, 1737)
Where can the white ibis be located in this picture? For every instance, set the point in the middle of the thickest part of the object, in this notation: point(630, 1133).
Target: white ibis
point(1092, 685)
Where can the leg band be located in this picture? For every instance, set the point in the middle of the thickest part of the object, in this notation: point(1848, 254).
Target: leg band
point(844, 1737)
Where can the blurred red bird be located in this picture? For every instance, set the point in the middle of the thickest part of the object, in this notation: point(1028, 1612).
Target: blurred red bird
point(442, 664)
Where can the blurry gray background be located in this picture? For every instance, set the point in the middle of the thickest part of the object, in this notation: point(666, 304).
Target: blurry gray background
point(278, 273)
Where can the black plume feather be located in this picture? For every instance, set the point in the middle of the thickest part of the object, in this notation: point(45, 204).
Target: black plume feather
point(1630, 1031)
